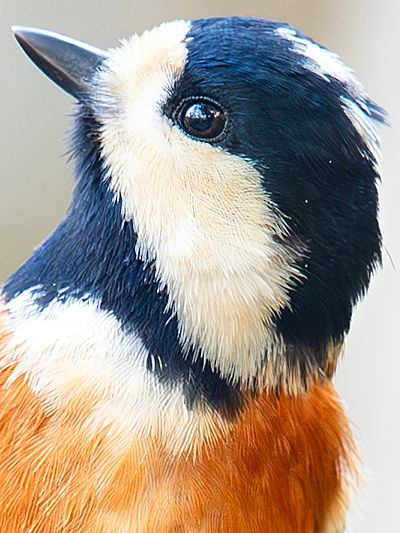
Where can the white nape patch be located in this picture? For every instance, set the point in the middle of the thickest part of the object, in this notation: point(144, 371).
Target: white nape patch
point(328, 64)
point(321, 61)
point(73, 350)
point(200, 213)
point(364, 124)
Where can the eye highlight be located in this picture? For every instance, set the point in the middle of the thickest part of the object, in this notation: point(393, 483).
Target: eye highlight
point(202, 118)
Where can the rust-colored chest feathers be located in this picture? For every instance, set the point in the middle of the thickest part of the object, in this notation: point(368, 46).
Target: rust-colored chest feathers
point(282, 464)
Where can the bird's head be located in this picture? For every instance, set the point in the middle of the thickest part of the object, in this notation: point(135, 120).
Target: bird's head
point(226, 184)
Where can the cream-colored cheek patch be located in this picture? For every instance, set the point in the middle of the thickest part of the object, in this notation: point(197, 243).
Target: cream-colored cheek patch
point(200, 213)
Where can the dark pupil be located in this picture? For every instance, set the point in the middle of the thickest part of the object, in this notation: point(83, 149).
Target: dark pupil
point(203, 120)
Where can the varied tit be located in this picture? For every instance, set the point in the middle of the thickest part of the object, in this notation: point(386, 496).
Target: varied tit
point(167, 353)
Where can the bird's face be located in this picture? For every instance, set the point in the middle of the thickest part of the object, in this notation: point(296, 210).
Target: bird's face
point(200, 212)
point(230, 145)
point(243, 156)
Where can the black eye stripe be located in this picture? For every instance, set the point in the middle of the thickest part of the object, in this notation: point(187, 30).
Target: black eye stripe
point(202, 118)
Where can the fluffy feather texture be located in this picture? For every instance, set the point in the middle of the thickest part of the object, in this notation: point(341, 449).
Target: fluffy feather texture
point(74, 347)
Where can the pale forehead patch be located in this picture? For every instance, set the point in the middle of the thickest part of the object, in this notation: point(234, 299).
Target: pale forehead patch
point(327, 64)
point(161, 48)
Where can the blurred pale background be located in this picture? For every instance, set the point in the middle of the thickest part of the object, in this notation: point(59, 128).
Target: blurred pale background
point(36, 182)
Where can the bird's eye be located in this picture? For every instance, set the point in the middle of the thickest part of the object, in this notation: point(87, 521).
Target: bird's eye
point(203, 119)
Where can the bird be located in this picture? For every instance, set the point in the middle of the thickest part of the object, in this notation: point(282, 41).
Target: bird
point(167, 353)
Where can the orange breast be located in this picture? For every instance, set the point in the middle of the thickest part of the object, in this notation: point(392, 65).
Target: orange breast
point(283, 468)
point(280, 467)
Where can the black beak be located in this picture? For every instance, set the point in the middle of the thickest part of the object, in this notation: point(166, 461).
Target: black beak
point(69, 63)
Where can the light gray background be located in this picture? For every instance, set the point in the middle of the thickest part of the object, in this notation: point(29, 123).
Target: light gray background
point(35, 181)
